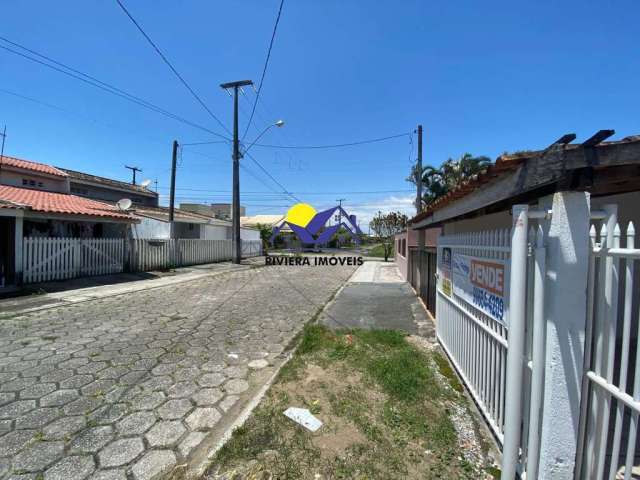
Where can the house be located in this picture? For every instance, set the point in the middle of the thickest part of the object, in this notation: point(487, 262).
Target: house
point(217, 210)
point(35, 201)
point(154, 224)
point(537, 303)
point(107, 189)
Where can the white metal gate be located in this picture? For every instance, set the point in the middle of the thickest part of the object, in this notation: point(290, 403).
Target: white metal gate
point(610, 406)
point(47, 259)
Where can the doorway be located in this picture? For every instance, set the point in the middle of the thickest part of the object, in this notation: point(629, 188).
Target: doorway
point(7, 251)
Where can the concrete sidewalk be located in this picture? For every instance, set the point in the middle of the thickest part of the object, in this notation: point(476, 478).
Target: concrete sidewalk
point(54, 294)
point(376, 297)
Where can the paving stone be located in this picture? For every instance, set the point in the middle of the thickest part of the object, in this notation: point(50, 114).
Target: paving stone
point(58, 398)
point(120, 452)
point(76, 468)
point(5, 466)
point(5, 426)
point(38, 390)
point(165, 433)
point(91, 440)
point(236, 386)
point(147, 401)
point(174, 356)
point(228, 402)
point(174, 408)
point(211, 379)
point(37, 456)
point(64, 427)
point(136, 423)
point(207, 396)
point(258, 364)
point(13, 409)
point(113, 474)
point(235, 371)
point(182, 390)
point(14, 441)
point(190, 442)
point(108, 414)
point(81, 406)
point(153, 464)
point(76, 381)
point(203, 418)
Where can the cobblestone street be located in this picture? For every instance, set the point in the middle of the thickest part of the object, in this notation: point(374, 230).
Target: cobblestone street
point(131, 386)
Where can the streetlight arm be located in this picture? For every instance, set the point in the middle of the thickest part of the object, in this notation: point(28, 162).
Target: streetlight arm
point(278, 124)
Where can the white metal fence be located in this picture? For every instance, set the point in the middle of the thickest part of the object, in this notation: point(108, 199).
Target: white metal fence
point(610, 406)
point(490, 322)
point(47, 259)
point(475, 342)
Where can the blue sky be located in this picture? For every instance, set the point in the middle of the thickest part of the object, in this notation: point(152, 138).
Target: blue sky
point(482, 77)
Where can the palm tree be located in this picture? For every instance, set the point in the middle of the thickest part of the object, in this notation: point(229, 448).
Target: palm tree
point(436, 182)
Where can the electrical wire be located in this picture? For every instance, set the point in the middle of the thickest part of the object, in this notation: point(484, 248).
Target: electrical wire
point(173, 69)
point(264, 70)
point(337, 145)
point(88, 79)
point(271, 177)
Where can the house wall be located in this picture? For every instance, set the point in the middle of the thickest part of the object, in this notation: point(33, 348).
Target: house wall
point(186, 230)
point(249, 234)
point(17, 178)
point(485, 222)
point(107, 194)
point(411, 237)
point(215, 232)
point(151, 228)
point(55, 228)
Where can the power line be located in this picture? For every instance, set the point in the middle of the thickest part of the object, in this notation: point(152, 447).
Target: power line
point(90, 80)
point(166, 61)
point(264, 70)
point(337, 145)
point(271, 177)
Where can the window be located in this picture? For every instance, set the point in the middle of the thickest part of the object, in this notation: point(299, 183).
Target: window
point(404, 247)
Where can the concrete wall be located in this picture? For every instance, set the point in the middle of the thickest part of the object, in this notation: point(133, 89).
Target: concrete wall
point(215, 232)
point(109, 194)
point(486, 222)
point(15, 178)
point(151, 228)
point(249, 234)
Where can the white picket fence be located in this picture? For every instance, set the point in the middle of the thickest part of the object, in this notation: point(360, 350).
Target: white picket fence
point(160, 254)
point(46, 259)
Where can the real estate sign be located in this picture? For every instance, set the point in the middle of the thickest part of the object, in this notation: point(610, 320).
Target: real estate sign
point(481, 282)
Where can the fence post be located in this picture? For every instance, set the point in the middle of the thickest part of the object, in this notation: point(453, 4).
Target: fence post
point(568, 253)
point(515, 352)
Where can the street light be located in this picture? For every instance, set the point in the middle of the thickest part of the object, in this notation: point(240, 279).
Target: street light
point(279, 123)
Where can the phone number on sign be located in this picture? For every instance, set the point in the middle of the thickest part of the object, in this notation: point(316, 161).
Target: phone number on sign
point(489, 303)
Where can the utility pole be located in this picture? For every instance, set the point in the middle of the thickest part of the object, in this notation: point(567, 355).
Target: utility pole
point(419, 187)
point(340, 200)
point(235, 207)
point(172, 192)
point(134, 170)
point(4, 135)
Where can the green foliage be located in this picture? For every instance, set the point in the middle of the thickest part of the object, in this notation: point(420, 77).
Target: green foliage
point(437, 182)
point(386, 226)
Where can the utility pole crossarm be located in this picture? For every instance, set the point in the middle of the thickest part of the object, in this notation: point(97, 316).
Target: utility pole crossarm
point(133, 170)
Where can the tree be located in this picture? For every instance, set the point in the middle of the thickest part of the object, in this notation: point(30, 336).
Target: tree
point(437, 182)
point(386, 226)
point(265, 235)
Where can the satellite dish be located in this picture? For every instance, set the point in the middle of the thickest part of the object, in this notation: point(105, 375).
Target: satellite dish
point(146, 183)
point(124, 204)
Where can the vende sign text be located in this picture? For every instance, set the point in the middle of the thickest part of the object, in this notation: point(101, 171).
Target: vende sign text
point(481, 282)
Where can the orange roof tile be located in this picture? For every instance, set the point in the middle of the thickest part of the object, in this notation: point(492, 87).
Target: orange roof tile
point(50, 202)
point(33, 166)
